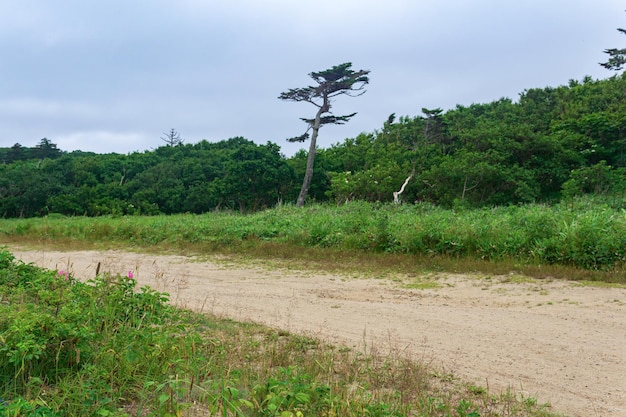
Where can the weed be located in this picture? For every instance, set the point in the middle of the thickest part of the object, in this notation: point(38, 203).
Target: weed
point(107, 348)
point(538, 240)
point(423, 285)
point(585, 283)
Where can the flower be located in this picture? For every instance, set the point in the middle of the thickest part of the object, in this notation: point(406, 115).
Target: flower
point(130, 274)
point(65, 274)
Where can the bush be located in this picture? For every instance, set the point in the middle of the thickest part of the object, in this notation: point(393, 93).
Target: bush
point(53, 327)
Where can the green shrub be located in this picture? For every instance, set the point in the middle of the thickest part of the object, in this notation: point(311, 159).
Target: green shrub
point(590, 235)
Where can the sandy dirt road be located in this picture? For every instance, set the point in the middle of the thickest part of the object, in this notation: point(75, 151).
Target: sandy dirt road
point(557, 341)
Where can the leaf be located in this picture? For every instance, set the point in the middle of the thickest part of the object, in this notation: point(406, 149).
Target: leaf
point(246, 403)
point(300, 138)
point(303, 397)
point(232, 392)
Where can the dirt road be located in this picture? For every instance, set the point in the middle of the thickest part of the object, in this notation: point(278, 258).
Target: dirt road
point(557, 341)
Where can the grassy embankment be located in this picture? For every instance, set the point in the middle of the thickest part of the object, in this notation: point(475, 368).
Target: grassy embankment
point(587, 242)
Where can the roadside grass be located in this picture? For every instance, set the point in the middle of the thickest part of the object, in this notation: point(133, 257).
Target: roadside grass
point(333, 260)
point(107, 348)
point(587, 243)
point(600, 284)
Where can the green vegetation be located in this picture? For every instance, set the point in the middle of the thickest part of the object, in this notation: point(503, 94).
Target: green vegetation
point(533, 239)
point(107, 348)
point(551, 145)
point(233, 174)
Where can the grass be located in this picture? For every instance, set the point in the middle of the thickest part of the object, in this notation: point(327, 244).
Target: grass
point(107, 348)
point(600, 284)
point(586, 243)
point(423, 284)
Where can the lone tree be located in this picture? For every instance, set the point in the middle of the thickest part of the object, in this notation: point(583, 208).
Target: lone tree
point(617, 57)
point(172, 138)
point(338, 80)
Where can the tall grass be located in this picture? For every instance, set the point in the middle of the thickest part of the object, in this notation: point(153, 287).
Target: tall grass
point(591, 236)
point(107, 348)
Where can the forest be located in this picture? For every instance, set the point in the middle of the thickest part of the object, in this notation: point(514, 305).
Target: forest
point(549, 145)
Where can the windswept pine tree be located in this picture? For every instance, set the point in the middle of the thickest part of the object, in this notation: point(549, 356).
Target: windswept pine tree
point(617, 56)
point(338, 80)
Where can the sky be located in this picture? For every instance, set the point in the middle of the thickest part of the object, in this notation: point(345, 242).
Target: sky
point(117, 75)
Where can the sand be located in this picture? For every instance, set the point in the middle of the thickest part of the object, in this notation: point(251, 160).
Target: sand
point(560, 342)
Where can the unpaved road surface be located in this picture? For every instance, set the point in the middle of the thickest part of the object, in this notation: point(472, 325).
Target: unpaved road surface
point(557, 341)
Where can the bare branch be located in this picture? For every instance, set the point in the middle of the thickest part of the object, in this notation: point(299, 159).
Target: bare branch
point(172, 138)
point(397, 194)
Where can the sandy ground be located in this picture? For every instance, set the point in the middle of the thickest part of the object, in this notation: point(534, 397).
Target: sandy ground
point(560, 342)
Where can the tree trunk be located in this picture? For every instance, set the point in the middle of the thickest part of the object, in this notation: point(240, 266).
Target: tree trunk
point(308, 174)
point(465, 189)
point(397, 194)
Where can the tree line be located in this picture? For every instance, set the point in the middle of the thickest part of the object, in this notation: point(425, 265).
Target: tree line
point(550, 144)
point(234, 174)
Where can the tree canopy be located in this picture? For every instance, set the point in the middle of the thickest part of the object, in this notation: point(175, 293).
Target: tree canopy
point(551, 144)
point(338, 80)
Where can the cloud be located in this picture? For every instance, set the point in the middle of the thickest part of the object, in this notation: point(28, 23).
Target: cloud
point(214, 69)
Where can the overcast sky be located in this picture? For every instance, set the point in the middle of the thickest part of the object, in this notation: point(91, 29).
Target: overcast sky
point(113, 76)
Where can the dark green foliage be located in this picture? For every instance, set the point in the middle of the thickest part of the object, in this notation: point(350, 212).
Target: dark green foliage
point(488, 154)
point(553, 143)
point(15, 153)
point(45, 149)
point(234, 174)
point(26, 186)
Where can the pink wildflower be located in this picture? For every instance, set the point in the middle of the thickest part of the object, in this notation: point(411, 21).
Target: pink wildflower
point(130, 274)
